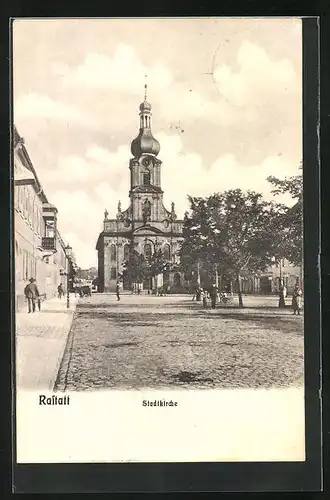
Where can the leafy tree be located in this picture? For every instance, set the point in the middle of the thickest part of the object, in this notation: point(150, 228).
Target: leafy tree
point(156, 263)
point(233, 230)
point(135, 269)
point(196, 259)
point(291, 222)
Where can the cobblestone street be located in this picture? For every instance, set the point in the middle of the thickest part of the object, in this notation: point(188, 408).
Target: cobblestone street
point(172, 342)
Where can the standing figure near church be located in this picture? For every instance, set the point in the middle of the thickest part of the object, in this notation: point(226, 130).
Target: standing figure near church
point(213, 294)
point(118, 291)
point(60, 291)
point(296, 299)
point(31, 293)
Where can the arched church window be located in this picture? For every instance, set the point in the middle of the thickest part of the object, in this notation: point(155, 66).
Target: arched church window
point(113, 252)
point(113, 273)
point(146, 119)
point(126, 252)
point(146, 177)
point(147, 250)
point(166, 252)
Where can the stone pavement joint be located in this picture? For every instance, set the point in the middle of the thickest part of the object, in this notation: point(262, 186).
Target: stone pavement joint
point(40, 342)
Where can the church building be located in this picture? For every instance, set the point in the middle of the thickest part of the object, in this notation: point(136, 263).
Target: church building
point(146, 225)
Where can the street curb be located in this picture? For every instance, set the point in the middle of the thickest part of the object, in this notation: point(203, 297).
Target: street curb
point(52, 382)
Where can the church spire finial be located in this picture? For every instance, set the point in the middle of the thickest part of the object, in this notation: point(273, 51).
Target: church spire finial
point(145, 87)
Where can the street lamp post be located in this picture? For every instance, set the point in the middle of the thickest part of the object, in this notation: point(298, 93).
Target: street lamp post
point(281, 302)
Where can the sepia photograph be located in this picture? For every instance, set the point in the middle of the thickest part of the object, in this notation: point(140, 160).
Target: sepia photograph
point(158, 222)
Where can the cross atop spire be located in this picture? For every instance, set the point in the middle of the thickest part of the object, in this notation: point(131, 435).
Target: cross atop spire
point(145, 87)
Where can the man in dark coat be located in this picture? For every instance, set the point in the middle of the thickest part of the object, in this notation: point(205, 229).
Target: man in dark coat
point(118, 291)
point(213, 293)
point(31, 293)
point(60, 291)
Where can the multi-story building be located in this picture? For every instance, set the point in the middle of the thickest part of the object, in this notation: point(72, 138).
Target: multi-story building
point(146, 225)
point(40, 252)
point(269, 281)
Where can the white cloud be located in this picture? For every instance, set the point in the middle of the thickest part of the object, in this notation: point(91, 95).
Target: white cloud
point(257, 79)
point(96, 165)
point(79, 222)
point(34, 105)
point(124, 71)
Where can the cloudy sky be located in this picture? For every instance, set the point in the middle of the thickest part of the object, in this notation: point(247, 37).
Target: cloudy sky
point(225, 95)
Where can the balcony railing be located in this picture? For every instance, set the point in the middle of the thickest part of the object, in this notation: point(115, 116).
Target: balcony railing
point(48, 243)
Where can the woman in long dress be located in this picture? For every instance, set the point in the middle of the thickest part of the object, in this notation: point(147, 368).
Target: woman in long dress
point(296, 299)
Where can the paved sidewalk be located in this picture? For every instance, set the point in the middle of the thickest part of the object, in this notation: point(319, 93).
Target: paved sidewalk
point(40, 342)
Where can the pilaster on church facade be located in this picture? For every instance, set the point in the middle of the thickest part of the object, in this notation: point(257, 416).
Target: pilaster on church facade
point(146, 224)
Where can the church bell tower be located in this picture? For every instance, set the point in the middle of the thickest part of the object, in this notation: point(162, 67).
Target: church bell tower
point(146, 193)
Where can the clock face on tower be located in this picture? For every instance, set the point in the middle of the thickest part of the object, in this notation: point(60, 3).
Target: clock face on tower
point(146, 161)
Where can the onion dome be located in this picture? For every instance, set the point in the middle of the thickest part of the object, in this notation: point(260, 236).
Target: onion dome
point(145, 143)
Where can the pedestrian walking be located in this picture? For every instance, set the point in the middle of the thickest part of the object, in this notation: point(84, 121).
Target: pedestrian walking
point(296, 299)
point(203, 296)
point(199, 293)
point(60, 291)
point(214, 294)
point(118, 291)
point(32, 295)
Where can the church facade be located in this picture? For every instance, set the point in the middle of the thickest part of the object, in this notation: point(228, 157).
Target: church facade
point(146, 225)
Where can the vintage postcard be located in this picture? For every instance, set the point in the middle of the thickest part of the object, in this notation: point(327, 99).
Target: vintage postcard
point(158, 215)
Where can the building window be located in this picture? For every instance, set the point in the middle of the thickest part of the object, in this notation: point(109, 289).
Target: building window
point(166, 252)
point(16, 202)
point(20, 198)
point(35, 218)
point(25, 201)
point(32, 266)
point(146, 178)
point(126, 252)
point(113, 273)
point(147, 250)
point(25, 265)
point(30, 210)
point(41, 225)
point(113, 252)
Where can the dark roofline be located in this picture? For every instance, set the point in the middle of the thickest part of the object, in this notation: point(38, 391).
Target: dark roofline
point(130, 234)
point(24, 155)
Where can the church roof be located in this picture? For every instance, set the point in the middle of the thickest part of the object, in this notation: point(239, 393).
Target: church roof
point(150, 188)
